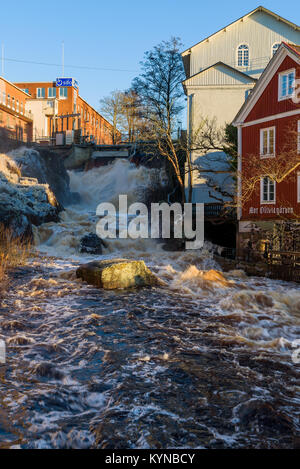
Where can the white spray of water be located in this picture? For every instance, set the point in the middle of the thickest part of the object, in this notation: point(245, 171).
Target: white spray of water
point(98, 185)
point(193, 273)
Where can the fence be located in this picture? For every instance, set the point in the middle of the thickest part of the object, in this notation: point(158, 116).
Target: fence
point(284, 265)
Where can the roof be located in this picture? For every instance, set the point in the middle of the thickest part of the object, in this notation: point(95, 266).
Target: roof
point(294, 47)
point(265, 78)
point(260, 8)
point(14, 85)
point(238, 72)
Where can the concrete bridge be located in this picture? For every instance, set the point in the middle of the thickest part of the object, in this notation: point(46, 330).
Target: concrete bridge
point(86, 156)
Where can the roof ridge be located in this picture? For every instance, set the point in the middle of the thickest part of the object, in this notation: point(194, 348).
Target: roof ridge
point(259, 8)
point(221, 63)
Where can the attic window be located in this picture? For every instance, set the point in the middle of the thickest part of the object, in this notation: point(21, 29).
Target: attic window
point(243, 55)
point(275, 48)
point(286, 83)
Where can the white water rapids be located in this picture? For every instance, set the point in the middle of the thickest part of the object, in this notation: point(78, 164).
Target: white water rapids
point(203, 362)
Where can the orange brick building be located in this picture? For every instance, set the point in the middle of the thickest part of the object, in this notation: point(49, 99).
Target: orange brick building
point(15, 121)
point(73, 112)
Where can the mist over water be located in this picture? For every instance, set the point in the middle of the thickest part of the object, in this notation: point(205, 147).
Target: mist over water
point(204, 362)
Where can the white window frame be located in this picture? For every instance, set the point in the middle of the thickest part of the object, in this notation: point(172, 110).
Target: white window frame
point(60, 95)
point(280, 76)
point(39, 91)
point(272, 48)
point(52, 88)
point(237, 55)
point(266, 202)
point(267, 155)
point(298, 188)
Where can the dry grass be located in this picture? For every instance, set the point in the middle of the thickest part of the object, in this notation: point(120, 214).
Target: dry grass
point(13, 253)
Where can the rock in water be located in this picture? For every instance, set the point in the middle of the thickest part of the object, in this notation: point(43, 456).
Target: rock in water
point(92, 244)
point(117, 273)
point(48, 168)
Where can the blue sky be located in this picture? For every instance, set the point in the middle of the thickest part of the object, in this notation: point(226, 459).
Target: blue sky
point(109, 34)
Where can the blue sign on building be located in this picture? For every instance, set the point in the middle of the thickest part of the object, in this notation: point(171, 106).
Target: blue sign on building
point(64, 81)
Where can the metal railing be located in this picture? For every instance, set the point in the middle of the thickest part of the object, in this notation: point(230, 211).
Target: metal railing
point(284, 265)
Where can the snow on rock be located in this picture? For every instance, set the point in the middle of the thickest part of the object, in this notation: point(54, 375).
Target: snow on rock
point(23, 201)
point(47, 167)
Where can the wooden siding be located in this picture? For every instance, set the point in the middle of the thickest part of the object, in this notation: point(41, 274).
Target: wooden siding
point(286, 191)
point(218, 75)
point(260, 31)
point(268, 104)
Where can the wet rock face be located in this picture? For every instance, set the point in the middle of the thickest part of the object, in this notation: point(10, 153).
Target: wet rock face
point(48, 168)
point(20, 204)
point(117, 273)
point(91, 244)
point(24, 201)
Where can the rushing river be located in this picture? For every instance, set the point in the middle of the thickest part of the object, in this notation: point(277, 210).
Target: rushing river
point(205, 362)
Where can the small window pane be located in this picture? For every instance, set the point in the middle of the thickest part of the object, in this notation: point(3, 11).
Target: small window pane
point(243, 56)
point(271, 141)
point(275, 48)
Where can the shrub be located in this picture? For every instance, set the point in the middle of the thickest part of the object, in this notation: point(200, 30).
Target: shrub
point(13, 252)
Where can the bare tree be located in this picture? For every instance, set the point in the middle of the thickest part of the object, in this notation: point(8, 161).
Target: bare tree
point(161, 94)
point(112, 109)
point(216, 148)
point(281, 167)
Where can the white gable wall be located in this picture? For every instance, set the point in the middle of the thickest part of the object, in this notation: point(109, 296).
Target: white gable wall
point(219, 103)
point(260, 31)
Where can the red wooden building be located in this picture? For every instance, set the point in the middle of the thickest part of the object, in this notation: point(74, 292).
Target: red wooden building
point(269, 149)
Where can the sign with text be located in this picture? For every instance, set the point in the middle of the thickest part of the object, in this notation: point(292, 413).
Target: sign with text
point(66, 82)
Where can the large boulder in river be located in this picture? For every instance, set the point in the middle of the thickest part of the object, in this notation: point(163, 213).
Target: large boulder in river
point(92, 244)
point(117, 273)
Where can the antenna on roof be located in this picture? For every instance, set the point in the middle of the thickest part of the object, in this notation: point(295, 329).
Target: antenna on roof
point(63, 59)
point(2, 60)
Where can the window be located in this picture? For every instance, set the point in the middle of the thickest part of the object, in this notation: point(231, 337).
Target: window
point(267, 191)
point(8, 100)
point(247, 93)
point(40, 92)
point(298, 139)
point(18, 108)
point(13, 103)
point(21, 108)
point(286, 84)
point(243, 55)
point(51, 92)
point(267, 142)
point(26, 90)
point(4, 98)
point(275, 48)
point(63, 92)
